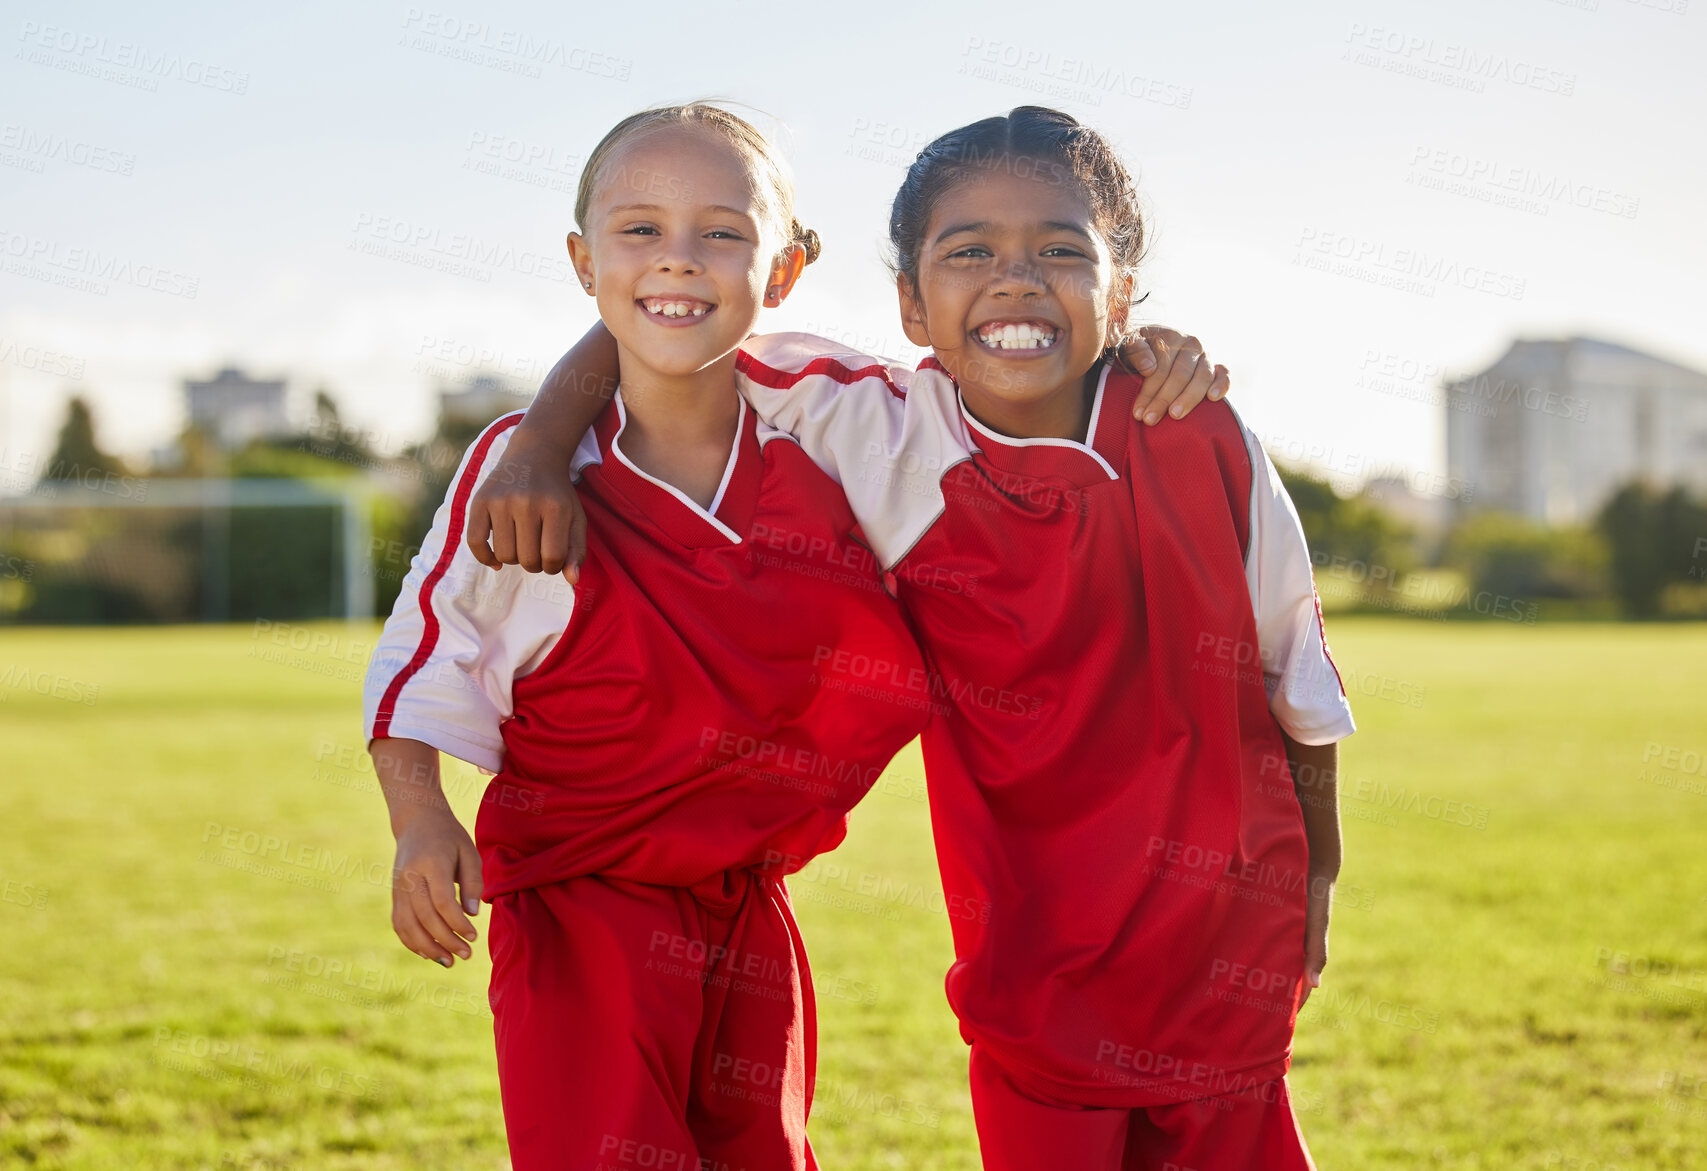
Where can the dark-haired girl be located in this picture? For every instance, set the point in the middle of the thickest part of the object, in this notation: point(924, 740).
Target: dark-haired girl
point(1135, 777)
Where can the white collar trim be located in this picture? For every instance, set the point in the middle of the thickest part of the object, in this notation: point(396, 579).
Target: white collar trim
point(1049, 441)
point(687, 501)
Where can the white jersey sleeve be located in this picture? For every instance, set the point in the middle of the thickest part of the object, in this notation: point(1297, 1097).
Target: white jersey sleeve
point(460, 634)
point(1305, 692)
point(884, 433)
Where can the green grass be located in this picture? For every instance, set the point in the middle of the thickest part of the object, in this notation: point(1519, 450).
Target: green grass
point(1529, 991)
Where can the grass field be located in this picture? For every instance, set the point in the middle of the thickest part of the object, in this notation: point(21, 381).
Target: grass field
point(1519, 973)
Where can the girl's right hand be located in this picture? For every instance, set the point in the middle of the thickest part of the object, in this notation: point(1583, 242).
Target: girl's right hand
point(529, 507)
point(1177, 376)
point(435, 857)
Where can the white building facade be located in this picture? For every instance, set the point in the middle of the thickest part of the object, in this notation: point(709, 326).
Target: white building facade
point(481, 399)
point(234, 408)
point(1554, 428)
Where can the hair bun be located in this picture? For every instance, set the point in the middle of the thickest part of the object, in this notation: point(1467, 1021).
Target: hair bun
point(808, 241)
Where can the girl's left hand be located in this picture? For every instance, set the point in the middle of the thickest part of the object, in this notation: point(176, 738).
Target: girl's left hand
point(1177, 375)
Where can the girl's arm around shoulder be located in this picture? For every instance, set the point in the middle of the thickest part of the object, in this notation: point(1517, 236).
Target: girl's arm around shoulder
point(530, 515)
point(884, 434)
point(527, 512)
point(840, 405)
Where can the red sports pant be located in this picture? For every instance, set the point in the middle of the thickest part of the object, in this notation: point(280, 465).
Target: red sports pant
point(1249, 1131)
point(653, 1027)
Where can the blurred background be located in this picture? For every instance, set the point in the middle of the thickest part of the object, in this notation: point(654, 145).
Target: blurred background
point(264, 275)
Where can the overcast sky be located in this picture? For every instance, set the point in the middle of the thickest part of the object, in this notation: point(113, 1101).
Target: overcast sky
point(1346, 198)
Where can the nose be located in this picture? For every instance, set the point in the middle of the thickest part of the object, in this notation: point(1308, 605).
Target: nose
point(680, 257)
point(1019, 279)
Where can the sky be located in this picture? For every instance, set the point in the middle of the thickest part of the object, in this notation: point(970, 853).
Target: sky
point(1348, 201)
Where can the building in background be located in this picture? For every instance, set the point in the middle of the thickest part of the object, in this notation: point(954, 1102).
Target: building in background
point(1429, 513)
point(234, 409)
point(1553, 428)
point(481, 400)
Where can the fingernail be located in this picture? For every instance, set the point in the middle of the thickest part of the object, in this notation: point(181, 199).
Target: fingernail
point(442, 961)
point(471, 906)
point(1214, 396)
point(1177, 411)
point(1152, 418)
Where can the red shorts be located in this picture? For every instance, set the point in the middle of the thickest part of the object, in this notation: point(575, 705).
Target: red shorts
point(1253, 1130)
point(653, 1027)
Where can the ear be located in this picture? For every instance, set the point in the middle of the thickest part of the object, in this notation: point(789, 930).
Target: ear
point(784, 272)
point(912, 312)
point(581, 256)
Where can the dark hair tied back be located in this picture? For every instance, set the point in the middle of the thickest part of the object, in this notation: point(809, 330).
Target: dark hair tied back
point(1047, 144)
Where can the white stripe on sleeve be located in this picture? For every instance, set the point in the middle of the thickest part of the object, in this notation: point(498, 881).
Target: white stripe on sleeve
point(884, 433)
point(448, 682)
point(1304, 688)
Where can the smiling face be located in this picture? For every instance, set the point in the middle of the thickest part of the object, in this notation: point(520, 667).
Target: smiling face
point(1015, 293)
point(681, 250)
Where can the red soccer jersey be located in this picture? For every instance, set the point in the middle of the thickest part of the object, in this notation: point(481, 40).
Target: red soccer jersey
point(1116, 634)
point(663, 720)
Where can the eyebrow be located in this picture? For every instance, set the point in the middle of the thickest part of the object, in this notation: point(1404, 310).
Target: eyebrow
point(723, 207)
point(980, 226)
point(983, 226)
point(1064, 226)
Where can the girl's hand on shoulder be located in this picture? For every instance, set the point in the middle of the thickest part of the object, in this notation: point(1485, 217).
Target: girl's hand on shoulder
point(435, 858)
point(529, 512)
point(1177, 375)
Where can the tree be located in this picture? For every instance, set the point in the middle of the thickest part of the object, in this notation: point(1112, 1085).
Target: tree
point(1351, 537)
point(325, 422)
point(77, 456)
point(200, 456)
point(327, 436)
point(1517, 558)
point(1653, 539)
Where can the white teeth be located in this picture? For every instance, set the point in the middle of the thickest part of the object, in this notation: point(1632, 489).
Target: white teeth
point(674, 308)
point(1021, 336)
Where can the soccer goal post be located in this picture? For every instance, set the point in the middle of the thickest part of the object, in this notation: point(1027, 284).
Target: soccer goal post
point(124, 548)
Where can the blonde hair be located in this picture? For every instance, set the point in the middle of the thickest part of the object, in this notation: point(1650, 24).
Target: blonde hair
point(754, 148)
